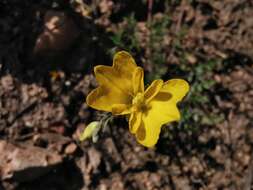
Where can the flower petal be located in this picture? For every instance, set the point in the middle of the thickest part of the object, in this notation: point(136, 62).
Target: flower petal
point(138, 83)
point(124, 62)
point(177, 88)
point(135, 121)
point(115, 83)
point(121, 109)
point(162, 110)
point(153, 89)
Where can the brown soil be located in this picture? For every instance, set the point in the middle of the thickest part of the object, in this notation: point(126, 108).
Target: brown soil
point(42, 112)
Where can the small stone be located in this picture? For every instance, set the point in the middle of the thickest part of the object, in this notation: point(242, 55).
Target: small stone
point(7, 82)
point(70, 149)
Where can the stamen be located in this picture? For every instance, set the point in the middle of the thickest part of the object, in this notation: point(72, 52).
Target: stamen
point(138, 102)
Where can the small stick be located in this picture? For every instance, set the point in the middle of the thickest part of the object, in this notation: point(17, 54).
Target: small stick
point(149, 24)
point(150, 7)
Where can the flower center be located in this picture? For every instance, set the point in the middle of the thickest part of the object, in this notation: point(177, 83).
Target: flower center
point(138, 102)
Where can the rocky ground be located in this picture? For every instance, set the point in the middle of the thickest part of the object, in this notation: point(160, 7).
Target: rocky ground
point(47, 52)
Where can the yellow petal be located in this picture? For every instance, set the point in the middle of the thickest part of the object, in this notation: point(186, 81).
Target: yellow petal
point(153, 89)
point(162, 110)
point(177, 88)
point(115, 83)
point(135, 121)
point(121, 109)
point(124, 62)
point(138, 83)
point(104, 97)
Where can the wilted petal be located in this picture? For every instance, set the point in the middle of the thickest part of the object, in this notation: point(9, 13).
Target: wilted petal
point(92, 128)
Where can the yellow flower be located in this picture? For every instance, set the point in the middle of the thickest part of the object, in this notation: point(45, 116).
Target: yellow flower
point(121, 91)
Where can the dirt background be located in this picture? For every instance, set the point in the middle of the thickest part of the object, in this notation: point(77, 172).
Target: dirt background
point(47, 53)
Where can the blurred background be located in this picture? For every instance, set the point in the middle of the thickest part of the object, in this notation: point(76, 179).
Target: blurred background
point(48, 49)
